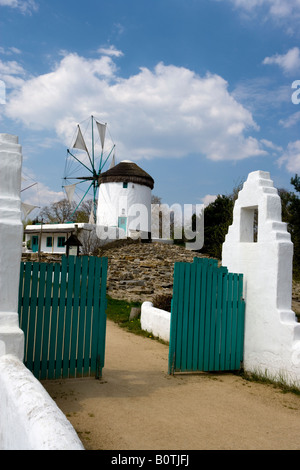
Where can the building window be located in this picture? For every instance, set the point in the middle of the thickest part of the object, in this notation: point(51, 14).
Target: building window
point(61, 241)
point(125, 185)
point(49, 242)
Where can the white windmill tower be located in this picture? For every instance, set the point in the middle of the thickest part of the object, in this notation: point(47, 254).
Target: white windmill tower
point(124, 200)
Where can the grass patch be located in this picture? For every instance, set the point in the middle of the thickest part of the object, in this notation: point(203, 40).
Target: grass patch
point(263, 378)
point(119, 310)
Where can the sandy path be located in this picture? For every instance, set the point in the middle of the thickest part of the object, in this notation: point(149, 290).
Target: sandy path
point(138, 406)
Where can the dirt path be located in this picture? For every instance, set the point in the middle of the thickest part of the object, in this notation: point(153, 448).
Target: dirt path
point(138, 406)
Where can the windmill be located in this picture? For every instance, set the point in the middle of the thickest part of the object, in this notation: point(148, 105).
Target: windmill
point(85, 162)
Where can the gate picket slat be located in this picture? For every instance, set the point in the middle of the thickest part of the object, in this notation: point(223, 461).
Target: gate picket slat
point(202, 316)
point(32, 315)
point(68, 317)
point(74, 329)
point(54, 320)
point(96, 321)
point(187, 272)
point(180, 316)
point(82, 308)
point(207, 319)
point(228, 321)
point(100, 353)
point(91, 279)
point(233, 358)
point(61, 318)
point(198, 267)
point(191, 317)
point(24, 301)
point(219, 319)
point(174, 319)
point(213, 313)
point(46, 325)
point(39, 321)
point(224, 323)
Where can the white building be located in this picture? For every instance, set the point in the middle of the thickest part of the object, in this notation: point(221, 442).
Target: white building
point(51, 238)
point(124, 200)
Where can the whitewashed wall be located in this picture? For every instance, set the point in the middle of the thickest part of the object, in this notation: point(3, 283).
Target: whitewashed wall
point(11, 231)
point(155, 321)
point(272, 334)
point(29, 418)
point(115, 201)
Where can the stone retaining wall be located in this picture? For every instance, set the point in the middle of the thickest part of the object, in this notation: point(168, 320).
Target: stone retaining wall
point(140, 271)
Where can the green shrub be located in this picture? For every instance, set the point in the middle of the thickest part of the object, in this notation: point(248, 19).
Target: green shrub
point(163, 302)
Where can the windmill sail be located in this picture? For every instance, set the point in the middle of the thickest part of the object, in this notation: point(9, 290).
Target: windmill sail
point(102, 131)
point(113, 161)
point(79, 142)
point(70, 189)
point(27, 208)
point(92, 217)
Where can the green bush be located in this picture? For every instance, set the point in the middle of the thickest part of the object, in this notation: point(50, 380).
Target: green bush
point(163, 302)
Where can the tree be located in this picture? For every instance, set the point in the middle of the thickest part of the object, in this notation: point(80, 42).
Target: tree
point(57, 212)
point(84, 211)
point(217, 218)
point(291, 215)
point(62, 212)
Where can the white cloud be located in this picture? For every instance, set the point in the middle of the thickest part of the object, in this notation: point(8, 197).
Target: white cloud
point(9, 50)
point(289, 62)
point(169, 111)
point(261, 94)
point(208, 199)
point(110, 51)
point(291, 120)
point(12, 74)
point(276, 9)
point(291, 157)
point(25, 6)
point(271, 145)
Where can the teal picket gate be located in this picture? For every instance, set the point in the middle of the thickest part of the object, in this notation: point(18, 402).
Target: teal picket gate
point(62, 314)
point(207, 318)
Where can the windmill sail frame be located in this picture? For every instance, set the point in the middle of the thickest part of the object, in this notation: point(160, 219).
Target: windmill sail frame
point(92, 166)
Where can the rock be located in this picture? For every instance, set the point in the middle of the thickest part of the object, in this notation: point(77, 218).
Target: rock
point(134, 313)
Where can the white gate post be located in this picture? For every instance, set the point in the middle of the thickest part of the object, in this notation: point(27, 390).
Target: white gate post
point(11, 232)
point(272, 334)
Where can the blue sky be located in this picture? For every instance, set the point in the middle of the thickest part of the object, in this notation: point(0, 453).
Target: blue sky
point(197, 92)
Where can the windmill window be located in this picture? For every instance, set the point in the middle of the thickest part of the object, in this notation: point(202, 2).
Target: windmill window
point(125, 185)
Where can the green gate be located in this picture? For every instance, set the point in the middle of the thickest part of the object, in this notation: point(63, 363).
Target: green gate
point(207, 318)
point(62, 313)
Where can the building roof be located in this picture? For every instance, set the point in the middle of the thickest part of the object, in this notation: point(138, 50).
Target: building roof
point(56, 228)
point(127, 171)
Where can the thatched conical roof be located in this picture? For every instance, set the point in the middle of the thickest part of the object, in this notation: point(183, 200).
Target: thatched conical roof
point(127, 171)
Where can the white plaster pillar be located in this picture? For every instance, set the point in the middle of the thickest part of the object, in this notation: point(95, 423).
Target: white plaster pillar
point(272, 334)
point(11, 232)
